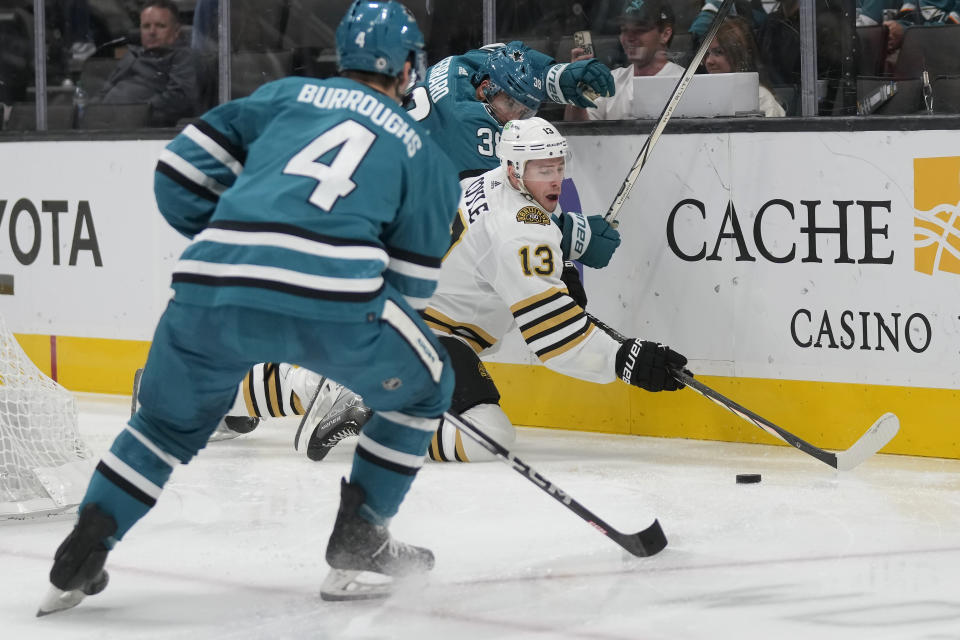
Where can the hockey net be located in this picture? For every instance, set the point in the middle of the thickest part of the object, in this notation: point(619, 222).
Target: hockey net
point(44, 465)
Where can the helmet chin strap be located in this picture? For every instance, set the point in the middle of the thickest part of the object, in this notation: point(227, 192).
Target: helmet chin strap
point(522, 187)
point(493, 112)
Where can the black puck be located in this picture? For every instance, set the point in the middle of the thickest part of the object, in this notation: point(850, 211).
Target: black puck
point(748, 478)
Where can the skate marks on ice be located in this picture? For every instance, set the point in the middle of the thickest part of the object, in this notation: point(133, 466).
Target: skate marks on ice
point(235, 548)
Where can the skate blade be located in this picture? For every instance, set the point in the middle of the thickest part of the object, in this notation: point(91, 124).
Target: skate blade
point(223, 432)
point(341, 585)
point(59, 600)
point(317, 409)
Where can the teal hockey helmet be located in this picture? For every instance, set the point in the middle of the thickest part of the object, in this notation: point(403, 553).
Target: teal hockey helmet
point(379, 37)
point(512, 71)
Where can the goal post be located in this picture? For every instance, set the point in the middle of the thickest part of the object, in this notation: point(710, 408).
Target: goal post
point(44, 465)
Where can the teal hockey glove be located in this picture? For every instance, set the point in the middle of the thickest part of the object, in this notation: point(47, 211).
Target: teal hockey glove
point(589, 239)
point(577, 83)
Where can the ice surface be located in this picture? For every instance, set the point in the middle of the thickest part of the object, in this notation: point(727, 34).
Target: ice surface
point(234, 548)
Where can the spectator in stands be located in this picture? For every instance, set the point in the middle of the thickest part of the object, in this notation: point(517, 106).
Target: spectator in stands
point(646, 28)
point(69, 42)
point(16, 58)
point(160, 71)
point(78, 34)
point(874, 12)
point(205, 17)
point(778, 41)
point(734, 50)
point(914, 13)
point(750, 10)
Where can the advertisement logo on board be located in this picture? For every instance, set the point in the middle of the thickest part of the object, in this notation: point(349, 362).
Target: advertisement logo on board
point(936, 222)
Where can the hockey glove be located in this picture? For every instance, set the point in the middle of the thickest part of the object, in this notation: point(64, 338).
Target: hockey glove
point(589, 239)
point(571, 278)
point(577, 82)
point(649, 365)
point(604, 240)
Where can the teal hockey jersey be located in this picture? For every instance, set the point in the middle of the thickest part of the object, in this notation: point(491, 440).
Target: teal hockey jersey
point(314, 198)
point(447, 106)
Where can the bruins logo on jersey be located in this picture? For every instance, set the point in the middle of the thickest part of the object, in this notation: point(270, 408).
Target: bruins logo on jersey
point(533, 215)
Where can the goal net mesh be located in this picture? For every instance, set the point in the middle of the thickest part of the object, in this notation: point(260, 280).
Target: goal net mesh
point(44, 465)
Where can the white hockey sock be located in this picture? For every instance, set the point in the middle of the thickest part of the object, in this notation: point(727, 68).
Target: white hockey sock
point(267, 391)
point(449, 445)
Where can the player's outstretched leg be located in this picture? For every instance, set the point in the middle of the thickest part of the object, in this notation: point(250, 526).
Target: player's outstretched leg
point(125, 485)
point(357, 546)
point(476, 398)
point(182, 397)
point(78, 563)
point(448, 445)
point(336, 413)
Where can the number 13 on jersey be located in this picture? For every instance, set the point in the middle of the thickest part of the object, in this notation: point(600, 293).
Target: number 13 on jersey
point(542, 256)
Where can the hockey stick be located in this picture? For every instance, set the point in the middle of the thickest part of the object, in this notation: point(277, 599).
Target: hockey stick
point(644, 543)
point(876, 437)
point(135, 397)
point(614, 211)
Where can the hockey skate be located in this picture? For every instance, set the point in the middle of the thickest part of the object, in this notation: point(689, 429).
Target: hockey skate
point(336, 413)
point(363, 556)
point(78, 563)
point(230, 427)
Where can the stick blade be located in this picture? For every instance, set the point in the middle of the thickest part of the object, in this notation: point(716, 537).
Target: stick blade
point(877, 436)
point(648, 542)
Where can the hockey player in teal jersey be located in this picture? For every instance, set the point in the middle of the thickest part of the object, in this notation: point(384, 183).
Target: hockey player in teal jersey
point(501, 273)
point(466, 100)
point(319, 212)
point(464, 103)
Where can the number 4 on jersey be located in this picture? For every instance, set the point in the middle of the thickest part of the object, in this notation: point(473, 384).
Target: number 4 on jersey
point(334, 175)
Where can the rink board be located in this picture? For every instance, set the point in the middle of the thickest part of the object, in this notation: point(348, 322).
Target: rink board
point(813, 277)
point(831, 415)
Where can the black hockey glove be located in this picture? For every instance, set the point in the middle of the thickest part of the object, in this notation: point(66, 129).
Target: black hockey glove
point(571, 278)
point(648, 365)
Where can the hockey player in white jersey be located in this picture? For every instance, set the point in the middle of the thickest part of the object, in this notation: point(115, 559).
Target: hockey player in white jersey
point(504, 267)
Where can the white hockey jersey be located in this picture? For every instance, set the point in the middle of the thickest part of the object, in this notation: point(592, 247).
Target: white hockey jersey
point(503, 267)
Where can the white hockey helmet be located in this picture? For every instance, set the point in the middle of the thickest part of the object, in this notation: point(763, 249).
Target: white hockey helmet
point(529, 139)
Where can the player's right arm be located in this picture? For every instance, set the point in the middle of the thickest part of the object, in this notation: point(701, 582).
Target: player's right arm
point(205, 159)
point(526, 273)
point(525, 268)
